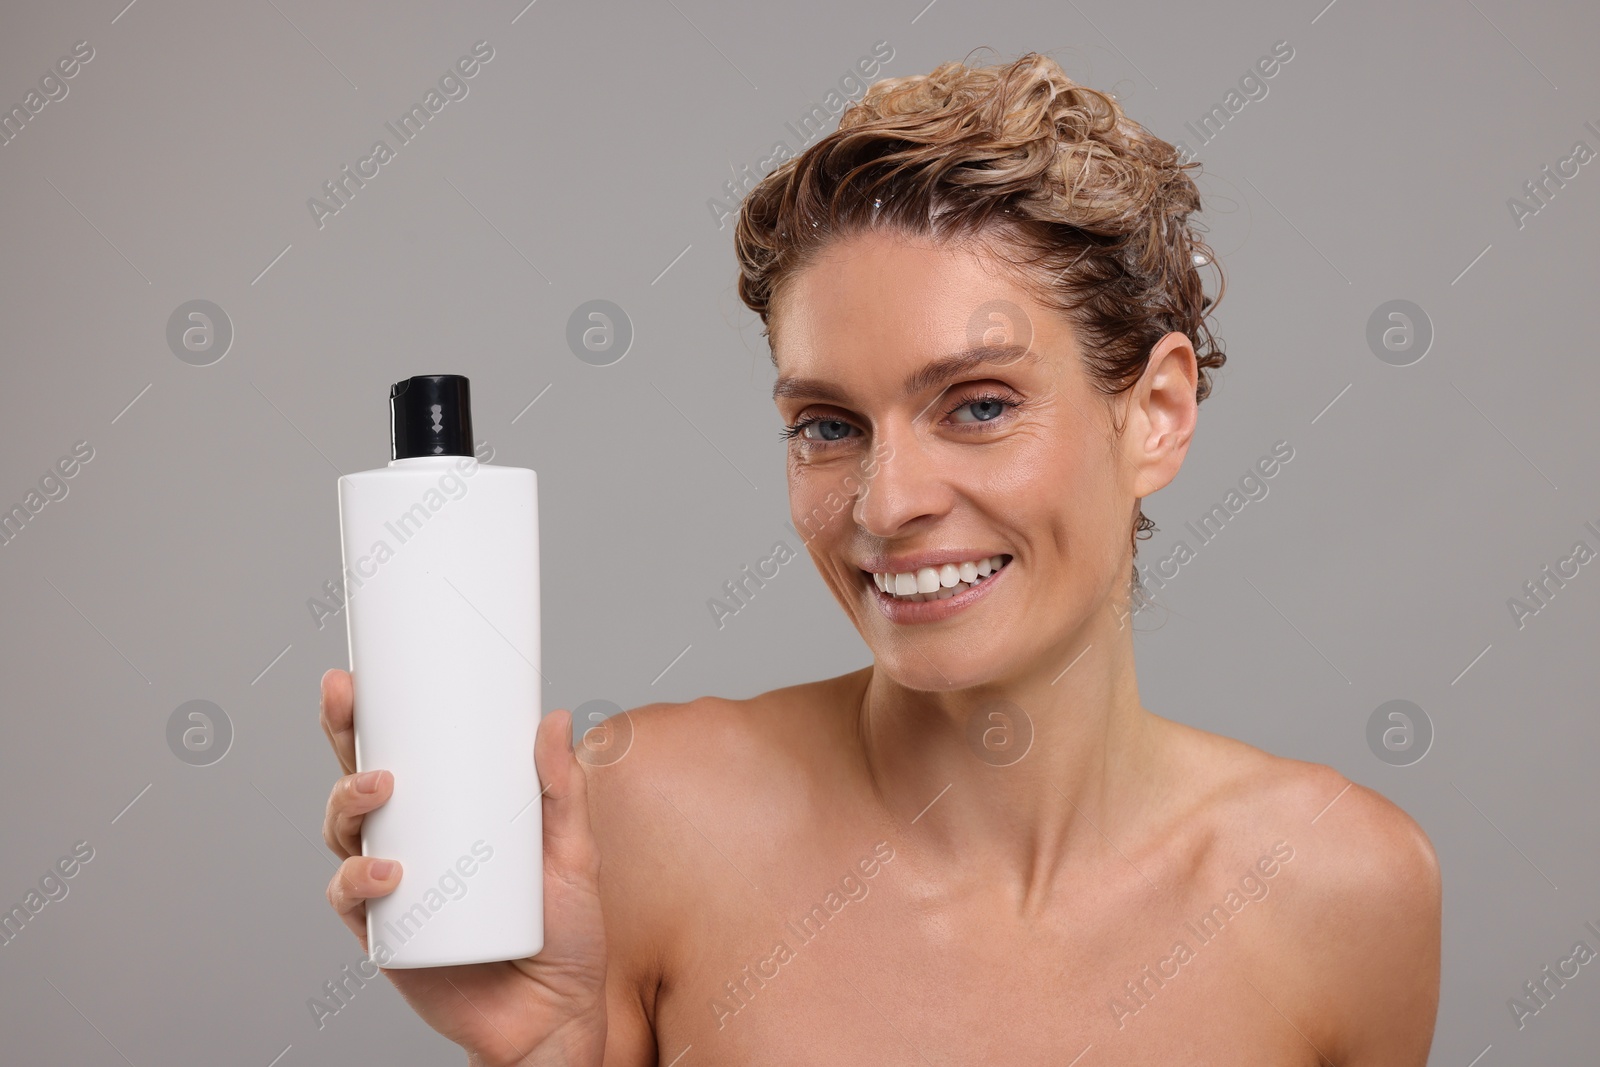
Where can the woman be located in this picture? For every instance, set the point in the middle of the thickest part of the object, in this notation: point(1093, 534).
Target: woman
point(982, 299)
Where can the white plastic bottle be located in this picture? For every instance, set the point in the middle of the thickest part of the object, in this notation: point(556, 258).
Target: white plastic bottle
point(441, 557)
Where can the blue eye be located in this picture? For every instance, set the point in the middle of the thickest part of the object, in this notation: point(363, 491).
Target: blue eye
point(832, 429)
point(987, 406)
point(993, 406)
point(829, 429)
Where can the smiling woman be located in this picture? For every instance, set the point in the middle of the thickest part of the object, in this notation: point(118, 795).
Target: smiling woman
point(980, 481)
point(1049, 180)
point(940, 196)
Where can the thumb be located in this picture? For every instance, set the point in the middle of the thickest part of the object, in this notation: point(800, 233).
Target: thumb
point(568, 838)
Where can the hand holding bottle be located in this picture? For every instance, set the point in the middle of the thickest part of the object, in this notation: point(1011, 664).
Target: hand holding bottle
point(549, 1008)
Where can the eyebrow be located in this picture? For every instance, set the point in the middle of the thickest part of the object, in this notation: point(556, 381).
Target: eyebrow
point(938, 371)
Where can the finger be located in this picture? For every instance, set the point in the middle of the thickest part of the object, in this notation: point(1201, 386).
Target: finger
point(353, 796)
point(356, 882)
point(568, 838)
point(338, 716)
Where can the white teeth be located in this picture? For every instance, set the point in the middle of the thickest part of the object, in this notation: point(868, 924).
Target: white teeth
point(937, 583)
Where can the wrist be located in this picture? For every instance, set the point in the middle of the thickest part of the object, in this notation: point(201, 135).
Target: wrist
point(580, 1042)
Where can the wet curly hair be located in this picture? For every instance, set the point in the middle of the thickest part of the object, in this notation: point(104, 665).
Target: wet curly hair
point(1092, 207)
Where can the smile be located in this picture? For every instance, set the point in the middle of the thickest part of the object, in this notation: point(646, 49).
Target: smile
point(970, 581)
point(939, 583)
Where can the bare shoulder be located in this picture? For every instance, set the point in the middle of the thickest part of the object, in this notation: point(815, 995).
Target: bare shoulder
point(1359, 901)
point(1367, 856)
point(699, 749)
point(671, 784)
point(653, 776)
point(649, 768)
point(1366, 842)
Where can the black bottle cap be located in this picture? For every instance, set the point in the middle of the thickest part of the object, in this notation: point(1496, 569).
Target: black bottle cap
point(430, 415)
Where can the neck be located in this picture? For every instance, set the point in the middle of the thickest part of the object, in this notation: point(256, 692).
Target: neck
point(1023, 777)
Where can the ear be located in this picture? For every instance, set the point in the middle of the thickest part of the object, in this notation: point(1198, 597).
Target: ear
point(1161, 411)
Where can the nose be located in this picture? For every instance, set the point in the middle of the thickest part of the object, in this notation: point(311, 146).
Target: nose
point(902, 483)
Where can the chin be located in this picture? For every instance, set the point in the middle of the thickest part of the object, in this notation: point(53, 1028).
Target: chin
point(935, 672)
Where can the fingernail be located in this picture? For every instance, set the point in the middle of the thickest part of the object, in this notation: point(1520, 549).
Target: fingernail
point(381, 869)
point(367, 781)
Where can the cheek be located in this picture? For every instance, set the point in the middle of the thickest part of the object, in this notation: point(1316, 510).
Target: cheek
point(1062, 493)
point(808, 487)
point(1042, 471)
point(820, 500)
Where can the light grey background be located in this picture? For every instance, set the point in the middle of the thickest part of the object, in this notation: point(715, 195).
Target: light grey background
point(1420, 498)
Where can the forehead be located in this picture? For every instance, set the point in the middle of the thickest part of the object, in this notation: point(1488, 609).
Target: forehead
point(893, 295)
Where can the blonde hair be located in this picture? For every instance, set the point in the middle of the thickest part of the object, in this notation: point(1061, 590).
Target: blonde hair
point(1091, 206)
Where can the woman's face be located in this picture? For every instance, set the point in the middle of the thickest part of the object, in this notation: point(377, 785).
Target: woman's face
point(1010, 455)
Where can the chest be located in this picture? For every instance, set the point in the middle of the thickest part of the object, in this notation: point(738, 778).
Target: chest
point(879, 970)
